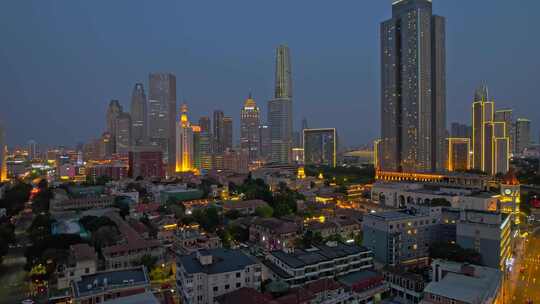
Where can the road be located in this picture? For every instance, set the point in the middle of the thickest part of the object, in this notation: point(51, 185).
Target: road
point(527, 285)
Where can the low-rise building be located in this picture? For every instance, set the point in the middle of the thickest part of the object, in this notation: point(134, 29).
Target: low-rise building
point(105, 286)
point(300, 266)
point(64, 201)
point(204, 275)
point(405, 286)
point(247, 207)
point(273, 233)
point(188, 240)
point(82, 260)
point(462, 283)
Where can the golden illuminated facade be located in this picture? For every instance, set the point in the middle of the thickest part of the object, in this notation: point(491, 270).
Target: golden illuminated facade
point(490, 140)
point(510, 196)
point(184, 143)
point(250, 120)
point(459, 154)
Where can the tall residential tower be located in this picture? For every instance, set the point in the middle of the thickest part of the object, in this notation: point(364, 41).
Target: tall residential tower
point(250, 121)
point(413, 89)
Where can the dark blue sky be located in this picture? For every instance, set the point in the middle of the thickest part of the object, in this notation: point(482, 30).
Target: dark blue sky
point(62, 61)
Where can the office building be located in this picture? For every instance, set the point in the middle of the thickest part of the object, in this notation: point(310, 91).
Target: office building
point(265, 142)
point(227, 133)
point(113, 111)
point(139, 116)
point(218, 145)
point(146, 162)
point(320, 147)
point(250, 121)
point(123, 133)
point(196, 147)
point(523, 134)
point(459, 130)
point(3, 154)
point(302, 266)
point(280, 113)
point(413, 89)
point(459, 155)
point(510, 197)
point(32, 150)
point(490, 142)
point(205, 143)
point(399, 237)
point(162, 116)
point(184, 143)
point(463, 283)
point(209, 273)
point(505, 115)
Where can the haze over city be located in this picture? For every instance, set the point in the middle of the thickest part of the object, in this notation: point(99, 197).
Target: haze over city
point(61, 62)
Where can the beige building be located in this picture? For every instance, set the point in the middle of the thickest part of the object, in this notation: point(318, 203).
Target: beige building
point(82, 261)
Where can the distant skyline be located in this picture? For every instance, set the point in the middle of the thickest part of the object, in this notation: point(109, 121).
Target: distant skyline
point(62, 62)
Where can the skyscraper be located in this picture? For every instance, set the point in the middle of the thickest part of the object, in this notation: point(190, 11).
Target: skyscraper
point(205, 143)
point(184, 143)
point(505, 115)
point(460, 130)
point(113, 111)
point(413, 89)
point(265, 142)
point(250, 120)
point(32, 149)
point(459, 154)
point(196, 130)
point(3, 154)
point(162, 115)
point(320, 147)
point(218, 145)
point(280, 109)
point(123, 133)
point(523, 134)
point(227, 132)
point(490, 142)
point(139, 115)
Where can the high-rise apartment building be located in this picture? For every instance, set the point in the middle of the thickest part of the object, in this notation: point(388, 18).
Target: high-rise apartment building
point(218, 145)
point(123, 133)
point(458, 130)
point(184, 143)
point(205, 143)
point(250, 120)
point(32, 149)
point(139, 116)
point(413, 89)
point(523, 134)
point(3, 154)
point(196, 147)
point(490, 142)
point(459, 158)
point(113, 111)
point(227, 132)
point(280, 109)
point(162, 115)
point(320, 147)
point(505, 115)
point(265, 142)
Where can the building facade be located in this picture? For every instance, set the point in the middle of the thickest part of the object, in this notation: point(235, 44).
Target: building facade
point(413, 89)
point(184, 143)
point(523, 134)
point(123, 133)
point(227, 132)
point(320, 147)
point(146, 162)
point(139, 116)
point(113, 111)
point(218, 141)
point(459, 157)
point(162, 116)
point(250, 121)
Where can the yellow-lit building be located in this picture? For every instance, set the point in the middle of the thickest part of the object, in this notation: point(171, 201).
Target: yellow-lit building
point(184, 142)
point(459, 154)
point(510, 196)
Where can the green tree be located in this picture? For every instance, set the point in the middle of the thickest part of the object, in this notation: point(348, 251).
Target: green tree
point(148, 261)
point(233, 214)
point(264, 211)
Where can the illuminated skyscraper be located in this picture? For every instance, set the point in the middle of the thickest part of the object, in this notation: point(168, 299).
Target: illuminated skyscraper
point(162, 115)
point(265, 142)
point(113, 111)
point(459, 154)
point(196, 147)
point(280, 109)
point(413, 89)
point(490, 142)
point(320, 147)
point(123, 133)
point(205, 143)
point(139, 116)
point(3, 154)
point(218, 142)
point(184, 143)
point(505, 115)
point(523, 134)
point(250, 120)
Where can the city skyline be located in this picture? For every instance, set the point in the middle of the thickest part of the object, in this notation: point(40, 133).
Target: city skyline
point(354, 88)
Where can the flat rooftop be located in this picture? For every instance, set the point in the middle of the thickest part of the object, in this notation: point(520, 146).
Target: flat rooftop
point(317, 254)
point(395, 215)
point(109, 280)
point(223, 260)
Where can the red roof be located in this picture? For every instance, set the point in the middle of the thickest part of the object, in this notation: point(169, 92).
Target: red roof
point(244, 295)
point(144, 208)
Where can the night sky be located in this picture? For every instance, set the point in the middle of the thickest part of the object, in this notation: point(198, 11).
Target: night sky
point(62, 61)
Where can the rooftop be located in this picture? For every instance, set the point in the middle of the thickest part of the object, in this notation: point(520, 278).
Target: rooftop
point(355, 277)
point(394, 215)
point(277, 225)
point(102, 281)
point(141, 298)
point(83, 252)
point(320, 253)
point(223, 260)
point(244, 295)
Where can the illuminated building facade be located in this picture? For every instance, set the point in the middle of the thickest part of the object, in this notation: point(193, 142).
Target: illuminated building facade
point(146, 162)
point(490, 141)
point(32, 150)
point(205, 143)
point(413, 89)
point(162, 115)
point(196, 147)
point(459, 155)
point(265, 142)
point(250, 120)
point(227, 132)
point(123, 133)
point(523, 134)
point(280, 113)
point(505, 115)
point(511, 196)
point(320, 147)
point(139, 115)
point(298, 155)
point(218, 142)
point(184, 143)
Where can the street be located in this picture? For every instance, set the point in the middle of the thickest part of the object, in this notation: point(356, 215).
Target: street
point(527, 285)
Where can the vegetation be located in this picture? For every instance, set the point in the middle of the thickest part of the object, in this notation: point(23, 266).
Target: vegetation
point(309, 239)
point(15, 198)
point(148, 261)
point(454, 252)
point(208, 218)
point(264, 211)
